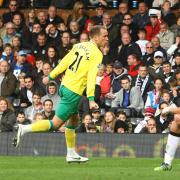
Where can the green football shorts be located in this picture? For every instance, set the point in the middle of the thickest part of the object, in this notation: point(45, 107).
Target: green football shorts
point(68, 104)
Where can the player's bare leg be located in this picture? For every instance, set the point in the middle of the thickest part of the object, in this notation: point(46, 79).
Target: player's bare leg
point(72, 156)
point(172, 145)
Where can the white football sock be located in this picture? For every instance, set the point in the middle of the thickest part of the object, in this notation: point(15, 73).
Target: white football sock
point(171, 147)
point(26, 129)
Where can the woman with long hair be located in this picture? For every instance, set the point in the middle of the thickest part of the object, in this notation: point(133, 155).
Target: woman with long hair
point(108, 122)
point(78, 14)
point(154, 97)
point(7, 116)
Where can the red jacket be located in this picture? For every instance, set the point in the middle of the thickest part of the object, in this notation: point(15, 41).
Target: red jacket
point(105, 85)
point(133, 70)
point(152, 31)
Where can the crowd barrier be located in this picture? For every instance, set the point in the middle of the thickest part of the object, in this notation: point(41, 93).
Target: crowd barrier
point(90, 144)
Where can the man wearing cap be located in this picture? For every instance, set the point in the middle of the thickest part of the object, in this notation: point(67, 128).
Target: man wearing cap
point(156, 69)
point(153, 27)
point(117, 74)
point(21, 65)
point(97, 19)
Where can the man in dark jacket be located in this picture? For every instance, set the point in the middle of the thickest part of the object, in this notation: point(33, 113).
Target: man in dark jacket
point(8, 81)
point(127, 48)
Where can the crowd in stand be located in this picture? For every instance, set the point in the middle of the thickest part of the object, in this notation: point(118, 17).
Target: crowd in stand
point(138, 77)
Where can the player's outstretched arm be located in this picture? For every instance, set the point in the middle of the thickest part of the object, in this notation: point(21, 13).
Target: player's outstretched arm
point(61, 67)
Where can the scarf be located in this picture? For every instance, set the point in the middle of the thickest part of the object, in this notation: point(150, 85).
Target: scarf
point(141, 84)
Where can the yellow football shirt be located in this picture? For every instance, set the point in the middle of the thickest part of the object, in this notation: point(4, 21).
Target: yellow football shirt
point(81, 65)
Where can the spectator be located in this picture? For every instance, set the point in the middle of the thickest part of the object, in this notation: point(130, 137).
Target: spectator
point(30, 19)
point(120, 127)
point(74, 31)
point(38, 116)
point(10, 32)
point(176, 90)
point(109, 69)
point(128, 97)
point(91, 128)
point(53, 35)
point(39, 65)
point(122, 124)
point(27, 92)
point(52, 56)
point(46, 69)
point(133, 65)
point(22, 30)
point(166, 37)
point(87, 119)
point(13, 8)
point(153, 27)
point(177, 62)
point(16, 44)
point(163, 121)
point(141, 18)
point(143, 81)
point(8, 81)
point(176, 28)
point(48, 111)
point(159, 3)
point(123, 9)
point(78, 14)
point(156, 69)
point(39, 49)
point(52, 17)
point(157, 47)
point(21, 119)
point(36, 29)
point(128, 20)
point(149, 54)
point(100, 8)
point(151, 127)
point(7, 54)
point(142, 40)
point(84, 37)
point(111, 28)
point(167, 71)
point(142, 125)
point(42, 19)
point(96, 118)
point(108, 122)
point(7, 116)
point(65, 46)
point(103, 80)
point(21, 65)
point(52, 94)
point(117, 42)
point(88, 26)
point(1, 46)
point(117, 74)
point(126, 48)
point(154, 97)
point(107, 55)
point(167, 15)
point(36, 107)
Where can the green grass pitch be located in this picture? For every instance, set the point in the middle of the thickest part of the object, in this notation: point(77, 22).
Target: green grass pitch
point(55, 168)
